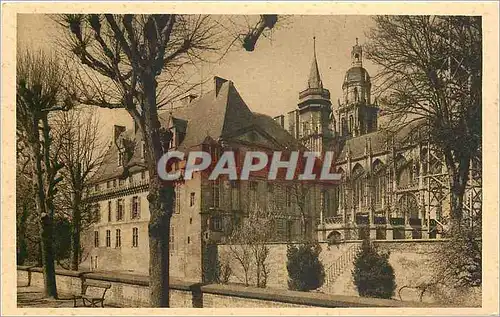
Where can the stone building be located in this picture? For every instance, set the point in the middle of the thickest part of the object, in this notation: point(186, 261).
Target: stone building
point(205, 211)
point(394, 186)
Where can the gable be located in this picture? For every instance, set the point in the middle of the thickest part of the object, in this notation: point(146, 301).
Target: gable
point(256, 137)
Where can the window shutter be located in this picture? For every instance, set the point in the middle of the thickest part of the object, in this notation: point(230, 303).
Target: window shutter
point(132, 207)
point(117, 210)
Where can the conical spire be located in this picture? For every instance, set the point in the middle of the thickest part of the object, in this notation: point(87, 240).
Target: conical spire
point(314, 78)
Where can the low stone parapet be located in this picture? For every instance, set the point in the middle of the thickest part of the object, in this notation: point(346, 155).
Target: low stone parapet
point(129, 290)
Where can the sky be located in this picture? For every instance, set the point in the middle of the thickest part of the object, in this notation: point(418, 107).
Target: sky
point(269, 78)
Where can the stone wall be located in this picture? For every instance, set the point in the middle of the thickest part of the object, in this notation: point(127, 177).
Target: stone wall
point(129, 290)
point(412, 261)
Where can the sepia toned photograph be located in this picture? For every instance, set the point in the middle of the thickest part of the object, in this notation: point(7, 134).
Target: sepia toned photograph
point(249, 161)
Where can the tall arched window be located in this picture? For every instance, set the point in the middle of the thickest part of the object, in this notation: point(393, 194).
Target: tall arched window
point(408, 206)
point(351, 124)
point(379, 183)
point(358, 186)
point(344, 126)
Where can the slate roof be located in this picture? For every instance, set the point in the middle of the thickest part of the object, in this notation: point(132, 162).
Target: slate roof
point(221, 113)
point(314, 77)
point(357, 74)
point(379, 140)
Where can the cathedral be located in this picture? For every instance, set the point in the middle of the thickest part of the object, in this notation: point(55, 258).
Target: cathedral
point(394, 186)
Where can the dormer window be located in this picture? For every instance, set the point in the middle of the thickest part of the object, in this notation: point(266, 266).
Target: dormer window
point(173, 140)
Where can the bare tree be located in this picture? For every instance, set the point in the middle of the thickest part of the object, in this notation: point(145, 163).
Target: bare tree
point(77, 133)
point(301, 192)
point(247, 244)
point(25, 206)
point(431, 73)
point(40, 92)
point(137, 64)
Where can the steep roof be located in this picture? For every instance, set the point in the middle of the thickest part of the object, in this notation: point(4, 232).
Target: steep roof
point(357, 74)
point(379, 140)
point(221, 113)
point(314, 77)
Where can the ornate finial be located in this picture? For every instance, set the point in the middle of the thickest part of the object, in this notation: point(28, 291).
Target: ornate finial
point(356, 41)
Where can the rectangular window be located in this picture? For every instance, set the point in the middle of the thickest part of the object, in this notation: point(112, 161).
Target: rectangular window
point(93, 263)
point(215, 193)
point(108, 184)
point(119, 209)
point(96, 239)
point(109, 211)
point(108, 238)
point(96, 188)
point(135, 237)
point(171, 244)
point(252, 195)
point(114, 183)
point(97, 210)
point(121, 182)
point(118, 238)
point(135, 212)
point(130, 179)
point(216, 224)
point(191, 199)
point(288, 197)
point(280, 228)
point(143, 175)
point(235, 195)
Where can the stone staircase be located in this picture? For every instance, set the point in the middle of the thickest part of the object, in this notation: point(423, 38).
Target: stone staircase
point(338, 279)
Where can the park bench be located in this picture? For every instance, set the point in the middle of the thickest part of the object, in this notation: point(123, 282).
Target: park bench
point(91, 299)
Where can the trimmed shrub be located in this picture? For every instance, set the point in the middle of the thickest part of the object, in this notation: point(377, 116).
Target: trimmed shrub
point(305, 270)
point(372, 273)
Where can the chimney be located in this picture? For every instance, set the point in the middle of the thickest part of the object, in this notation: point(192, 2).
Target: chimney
point(186, 100)
point(218, 84)
point(117, 130)
point(280, 120)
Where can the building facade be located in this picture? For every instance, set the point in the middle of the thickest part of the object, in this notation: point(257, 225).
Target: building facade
point(394, 185)
point(206, 211)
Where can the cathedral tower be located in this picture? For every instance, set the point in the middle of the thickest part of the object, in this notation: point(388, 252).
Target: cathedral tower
point(356, 114)
point(312, 118)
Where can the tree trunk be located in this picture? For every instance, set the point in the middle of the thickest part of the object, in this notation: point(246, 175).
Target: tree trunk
point(39, 258)
point(458, 177)
point(44, 208)
point(159, 231)
point(75, 236)
point(22, 252)
point(160, 198)
point(49, 274)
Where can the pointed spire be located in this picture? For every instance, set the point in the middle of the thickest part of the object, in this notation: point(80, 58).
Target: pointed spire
point(314, 77)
